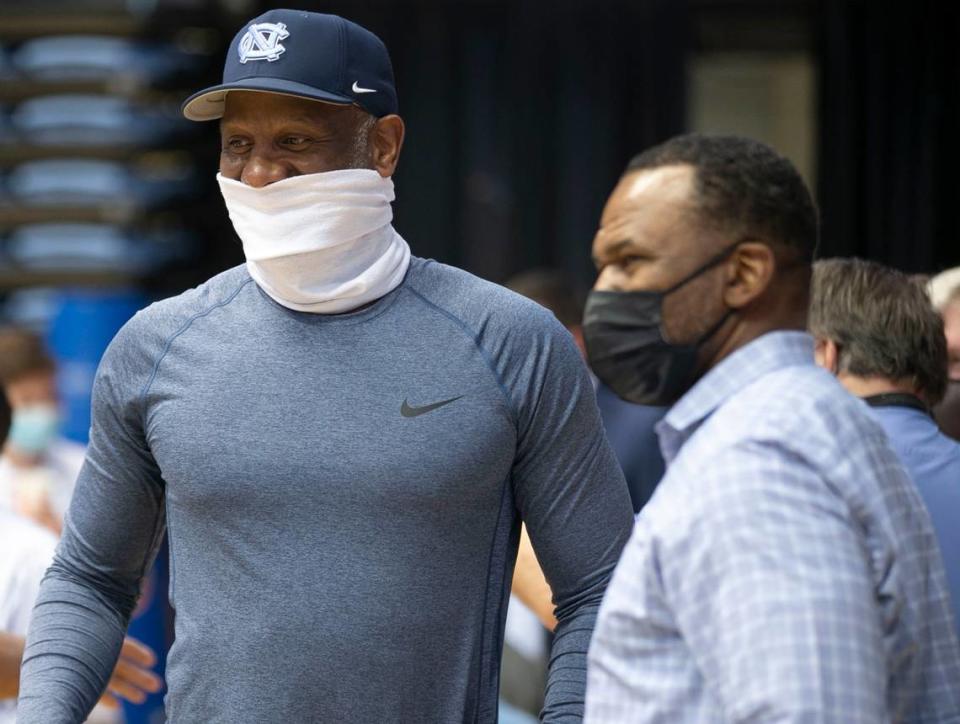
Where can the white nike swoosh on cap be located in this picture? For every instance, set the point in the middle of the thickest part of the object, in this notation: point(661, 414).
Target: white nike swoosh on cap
point(358, 89)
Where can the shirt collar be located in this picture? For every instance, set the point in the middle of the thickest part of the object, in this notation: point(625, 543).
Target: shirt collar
point(897, 399)
point(766, 354)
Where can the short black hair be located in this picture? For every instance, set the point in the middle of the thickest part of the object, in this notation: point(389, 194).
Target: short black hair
point(744, 187)
point(882, 322)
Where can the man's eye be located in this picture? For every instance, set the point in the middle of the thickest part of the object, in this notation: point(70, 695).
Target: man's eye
point(296, 141)
point(630, 260)
point(238, 144)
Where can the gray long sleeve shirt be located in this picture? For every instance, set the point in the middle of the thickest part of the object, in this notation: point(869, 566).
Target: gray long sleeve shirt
point(343, 497)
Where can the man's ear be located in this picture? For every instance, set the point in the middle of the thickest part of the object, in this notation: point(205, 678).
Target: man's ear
point(750, 270)
point(827, 354)
point(386, 141)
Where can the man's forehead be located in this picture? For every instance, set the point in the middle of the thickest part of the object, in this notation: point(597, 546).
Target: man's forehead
point(277, 106)
point(649, 196)
point(658, 185)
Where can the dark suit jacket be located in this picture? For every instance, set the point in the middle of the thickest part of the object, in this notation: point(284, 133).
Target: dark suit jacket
point(629, 428)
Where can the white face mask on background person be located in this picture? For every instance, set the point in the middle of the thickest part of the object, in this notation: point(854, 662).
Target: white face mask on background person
point(320, 242)
point(34, 428)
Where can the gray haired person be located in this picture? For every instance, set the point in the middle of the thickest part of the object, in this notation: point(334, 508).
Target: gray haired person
point(945, 292)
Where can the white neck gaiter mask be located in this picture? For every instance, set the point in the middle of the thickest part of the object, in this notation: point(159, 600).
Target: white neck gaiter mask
point(321, 242)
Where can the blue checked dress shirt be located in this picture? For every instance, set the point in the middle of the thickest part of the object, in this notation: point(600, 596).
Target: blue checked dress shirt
point(785, 569)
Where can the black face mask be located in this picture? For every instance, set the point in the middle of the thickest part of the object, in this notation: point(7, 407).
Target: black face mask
point(626, 348)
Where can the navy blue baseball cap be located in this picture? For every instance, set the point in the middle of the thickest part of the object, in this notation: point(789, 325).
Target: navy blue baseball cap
point(308, 55)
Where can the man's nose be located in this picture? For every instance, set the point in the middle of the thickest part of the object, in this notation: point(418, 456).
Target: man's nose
point(261, 170)
point(609, 280)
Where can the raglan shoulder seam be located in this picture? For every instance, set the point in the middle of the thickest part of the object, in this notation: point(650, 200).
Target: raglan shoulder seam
point(183, 328)
point(475, 338)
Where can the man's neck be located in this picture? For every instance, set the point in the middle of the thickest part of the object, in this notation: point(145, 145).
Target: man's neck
point(782, 308)
point(869, 386)
point(743, 334)
point(20, 459)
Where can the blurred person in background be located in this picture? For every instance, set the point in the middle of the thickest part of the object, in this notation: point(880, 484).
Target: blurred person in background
point(38, 467)
point(629, 427)
point(5, 414)
point(941, 286)
point(945, 293)
point(341, 439)
point(876, 330)
point(786, 568)
point(26, 551)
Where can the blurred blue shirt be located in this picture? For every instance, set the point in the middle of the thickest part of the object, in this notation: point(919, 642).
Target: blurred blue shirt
point(631, 431)
point(933, 461)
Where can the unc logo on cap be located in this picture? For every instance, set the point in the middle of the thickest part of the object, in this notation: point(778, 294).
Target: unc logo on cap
point(262, 42)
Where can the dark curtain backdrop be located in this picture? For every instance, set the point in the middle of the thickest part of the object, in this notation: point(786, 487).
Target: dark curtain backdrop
point(889, 125)
point(520, 117)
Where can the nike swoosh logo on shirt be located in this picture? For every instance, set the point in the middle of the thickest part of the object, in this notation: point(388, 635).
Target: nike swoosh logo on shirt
point(408, 411)
point(358, 89)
